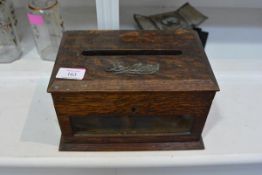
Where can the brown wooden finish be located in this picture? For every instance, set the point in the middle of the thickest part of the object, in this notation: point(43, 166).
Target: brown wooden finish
point(107, 111)
point(189, 71)
point(191, 145)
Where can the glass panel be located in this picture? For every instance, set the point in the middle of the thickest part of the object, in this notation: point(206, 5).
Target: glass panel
point(135, 125)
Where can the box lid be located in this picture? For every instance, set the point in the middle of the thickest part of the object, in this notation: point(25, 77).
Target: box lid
point(133, 61)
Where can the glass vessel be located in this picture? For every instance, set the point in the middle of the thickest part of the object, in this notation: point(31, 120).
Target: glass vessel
point(10, 49)
point(10, 5)
point(47, 27)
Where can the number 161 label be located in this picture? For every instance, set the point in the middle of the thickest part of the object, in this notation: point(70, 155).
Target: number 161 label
point(71, 73)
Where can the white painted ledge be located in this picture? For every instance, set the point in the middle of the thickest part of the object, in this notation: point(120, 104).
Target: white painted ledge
point(131, 161)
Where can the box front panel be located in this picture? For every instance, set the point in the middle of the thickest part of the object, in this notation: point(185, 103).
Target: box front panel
point(129, 117)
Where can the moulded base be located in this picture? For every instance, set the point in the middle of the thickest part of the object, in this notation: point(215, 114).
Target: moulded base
point(191, 145)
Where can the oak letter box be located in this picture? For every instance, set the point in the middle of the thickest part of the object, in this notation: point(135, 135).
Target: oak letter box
point(131, 90)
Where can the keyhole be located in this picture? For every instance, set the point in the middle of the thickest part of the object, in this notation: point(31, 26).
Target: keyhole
point(133, 109)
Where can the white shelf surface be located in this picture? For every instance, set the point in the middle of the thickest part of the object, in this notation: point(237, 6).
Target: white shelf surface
point(29, 129)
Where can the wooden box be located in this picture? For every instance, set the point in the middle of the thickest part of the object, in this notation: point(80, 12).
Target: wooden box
point(141, 90)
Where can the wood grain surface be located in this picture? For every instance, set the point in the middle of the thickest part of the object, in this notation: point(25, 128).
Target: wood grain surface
point(107, 111)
